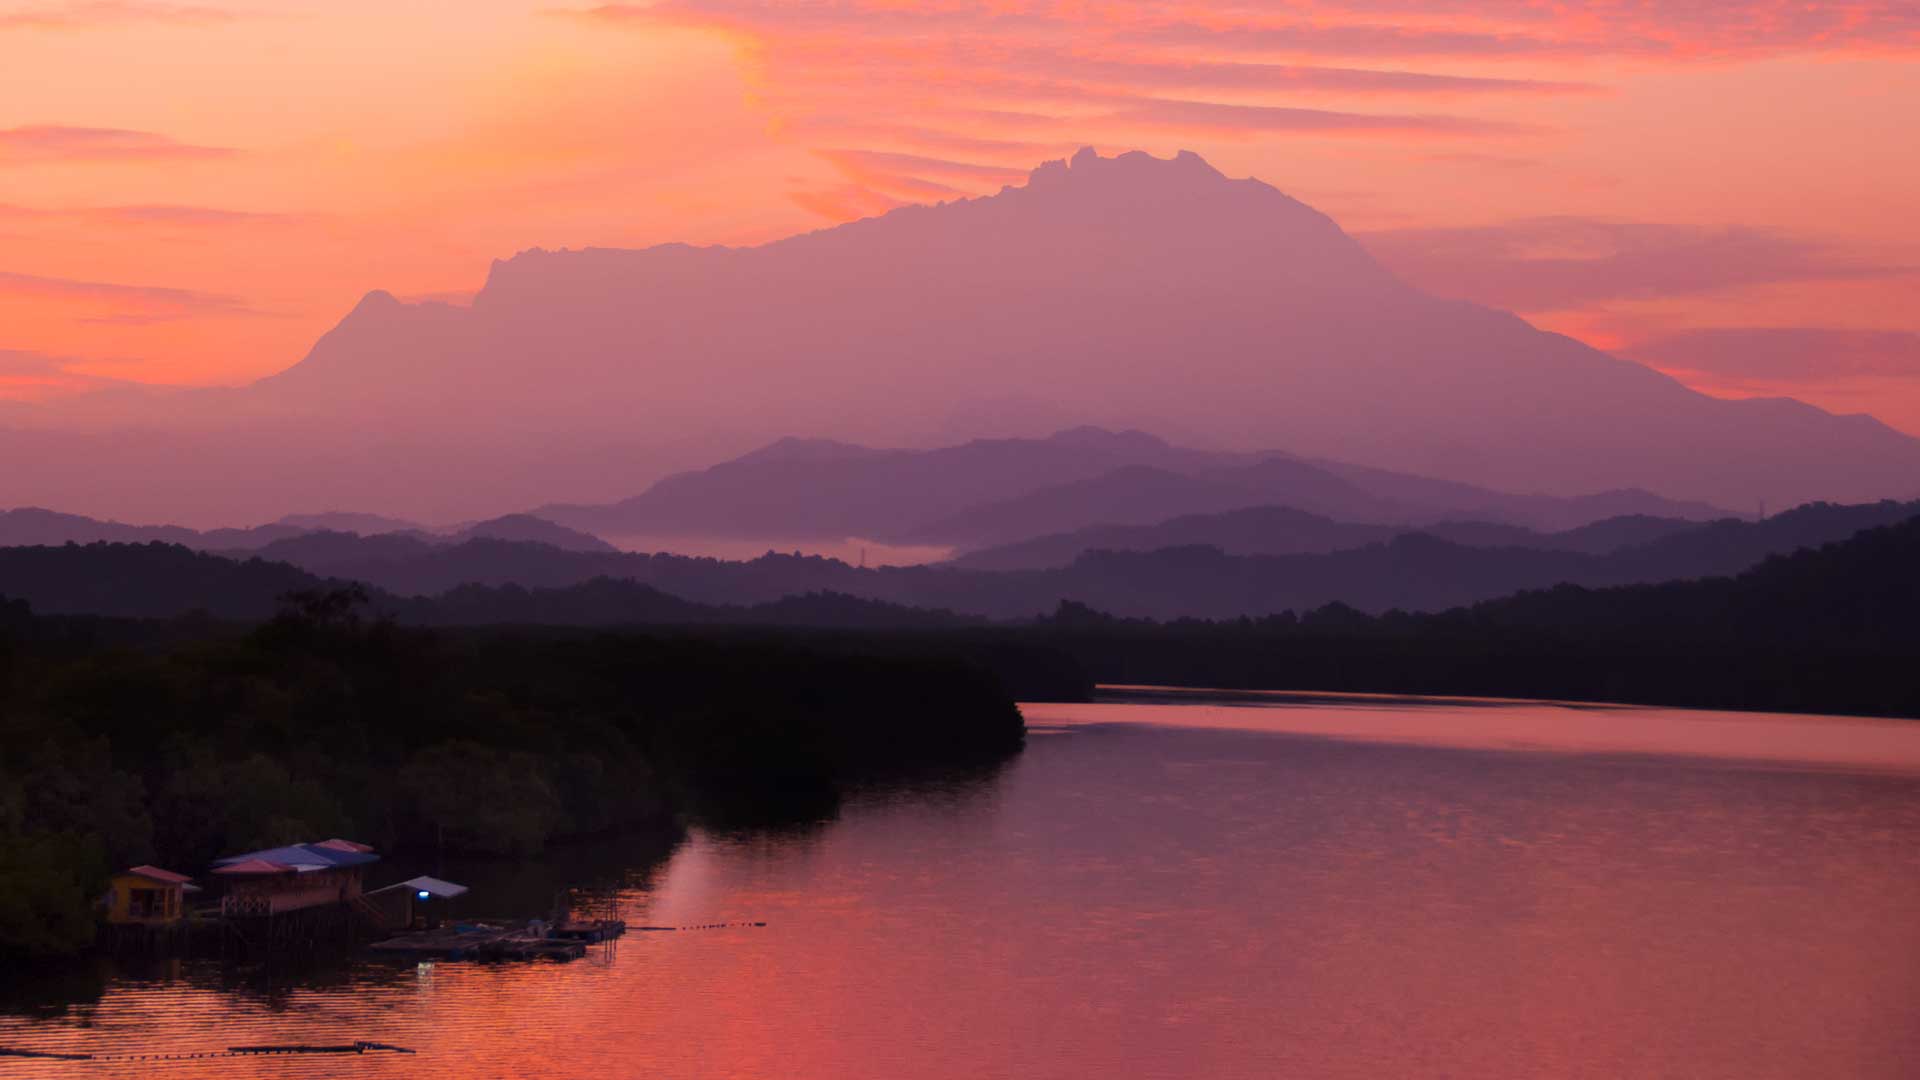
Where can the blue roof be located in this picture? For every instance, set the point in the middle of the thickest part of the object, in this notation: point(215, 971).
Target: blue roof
point(309, 856)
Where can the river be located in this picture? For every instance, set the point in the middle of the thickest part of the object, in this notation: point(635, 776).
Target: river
point(1168, 884)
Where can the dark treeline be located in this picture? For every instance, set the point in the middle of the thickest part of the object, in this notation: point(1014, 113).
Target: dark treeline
point(1834, 629)
point(163, 581)
point(174, 742)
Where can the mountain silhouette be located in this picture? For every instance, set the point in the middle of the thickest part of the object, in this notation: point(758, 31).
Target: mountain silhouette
point(30, 526)
point(525, 528)
point(1279, 530)
point(991, 491)
point(819, 488)
point(1410, 571)
point(349, 521)
point(1128, 290)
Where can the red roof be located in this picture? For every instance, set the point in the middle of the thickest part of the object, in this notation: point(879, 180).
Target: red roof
point(338, 844)
point(254, 866)
point(154, 873)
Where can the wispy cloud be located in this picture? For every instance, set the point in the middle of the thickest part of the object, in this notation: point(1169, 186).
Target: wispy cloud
point(104, 302)
point(1350, 28)
point(54, 142)
point(927, 166)
point(1555, 263)
point(1220, 118)
point(1031, 78)
point(186, 216)
point(18, 362)
point(97, 13)
point(34, 376)
point(1784, 354)
point(844, 202)
point(1180, 73)
point(163, 216)
point(1361, 40)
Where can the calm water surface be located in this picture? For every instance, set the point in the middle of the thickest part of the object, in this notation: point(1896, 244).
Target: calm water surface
point(1173, 886)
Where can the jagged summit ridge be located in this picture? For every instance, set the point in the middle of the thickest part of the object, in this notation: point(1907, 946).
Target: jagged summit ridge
point(1087, 165)
point(1087, 184)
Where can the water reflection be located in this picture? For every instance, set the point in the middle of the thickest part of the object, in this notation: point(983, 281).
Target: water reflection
point(1162, 893)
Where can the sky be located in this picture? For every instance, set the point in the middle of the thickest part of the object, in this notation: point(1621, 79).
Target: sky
point(191, 193)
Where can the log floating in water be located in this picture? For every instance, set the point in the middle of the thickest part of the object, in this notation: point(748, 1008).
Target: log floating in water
point(302, 1048)
point(359, 1047)
point(8, 1051)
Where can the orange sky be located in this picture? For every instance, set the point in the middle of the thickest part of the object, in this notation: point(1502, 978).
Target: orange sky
point(192, 192)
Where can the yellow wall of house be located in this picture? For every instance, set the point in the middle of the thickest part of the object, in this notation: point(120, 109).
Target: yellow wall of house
point(120, 903)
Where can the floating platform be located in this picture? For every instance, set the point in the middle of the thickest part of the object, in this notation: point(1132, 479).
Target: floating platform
point(485, 941)
point(597, 930)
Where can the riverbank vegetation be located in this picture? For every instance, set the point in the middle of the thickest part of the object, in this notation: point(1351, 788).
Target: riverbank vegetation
point(128, 742)
point(1834, 629)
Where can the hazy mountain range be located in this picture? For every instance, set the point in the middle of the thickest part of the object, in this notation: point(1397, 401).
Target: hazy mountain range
point(1127, 291)
point(991, 491)
point(1280, 530)
point(29, 526)
point(1410, 571)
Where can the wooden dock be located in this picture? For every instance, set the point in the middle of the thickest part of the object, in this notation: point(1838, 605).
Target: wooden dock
point(593, 931)
point(489, 941)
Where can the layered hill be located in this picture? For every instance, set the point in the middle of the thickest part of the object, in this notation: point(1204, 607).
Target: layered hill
point(1412, 571)
point(32, 526)
point(990, 491)
point(1829, 629)
point(1129, 291)
point(1280, 530)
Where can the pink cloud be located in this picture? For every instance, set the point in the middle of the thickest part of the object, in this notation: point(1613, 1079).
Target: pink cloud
point(1217, 118)
point(1136, 71)
point(131, 304)
point(158, 215)
point(1360, 40)
point(190, 216)
point(53, 142)
point(963, 170)
point(1677, 28)
point(843, 203)
point(32, 376)
point(74, 16)
point(1556, 263)
point(1784, 354)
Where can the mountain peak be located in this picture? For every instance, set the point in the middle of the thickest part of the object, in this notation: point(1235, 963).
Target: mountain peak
point(1087, 166)
point(1094, 436)
point(793, 448)
point(377, 301)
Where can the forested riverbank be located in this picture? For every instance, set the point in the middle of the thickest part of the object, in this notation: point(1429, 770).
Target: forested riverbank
point(1834, 629)
point(173, 743)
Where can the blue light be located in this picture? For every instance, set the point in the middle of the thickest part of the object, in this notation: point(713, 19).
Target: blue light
point(423, 894)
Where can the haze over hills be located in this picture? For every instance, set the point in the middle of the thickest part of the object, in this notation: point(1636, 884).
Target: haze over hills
point(30, 526)
point(1129, 291)
point(1279, 530)
point(1410, 571)
point(990, 491)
